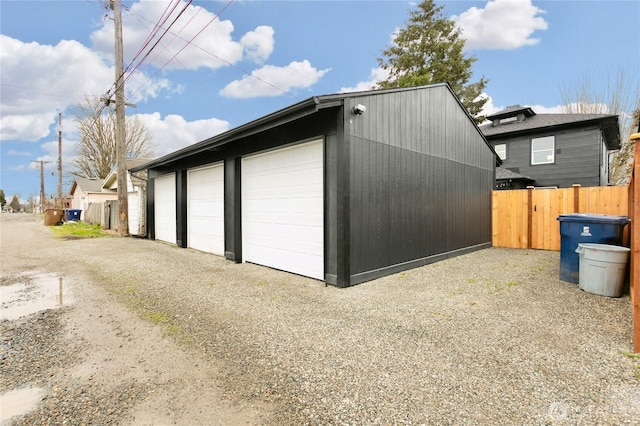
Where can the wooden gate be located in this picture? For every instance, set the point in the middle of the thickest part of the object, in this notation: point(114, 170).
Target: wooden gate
point(528, 218)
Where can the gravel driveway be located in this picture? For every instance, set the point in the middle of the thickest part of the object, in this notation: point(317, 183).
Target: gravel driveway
point(491, 337)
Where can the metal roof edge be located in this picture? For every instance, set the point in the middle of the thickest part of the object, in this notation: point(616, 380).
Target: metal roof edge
point(484, 138)
point(232, 134)
point(297, 110)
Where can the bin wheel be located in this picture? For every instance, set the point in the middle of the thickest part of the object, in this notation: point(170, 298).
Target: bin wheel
point(59, 223)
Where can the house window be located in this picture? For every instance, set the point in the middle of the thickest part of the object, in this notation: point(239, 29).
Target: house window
point(501, 150)
point(543, 150)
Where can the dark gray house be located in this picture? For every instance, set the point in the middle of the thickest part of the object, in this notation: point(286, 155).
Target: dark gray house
point(343, 188)
point(552, 150)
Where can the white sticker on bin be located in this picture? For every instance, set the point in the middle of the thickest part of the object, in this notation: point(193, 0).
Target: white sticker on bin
point(585, 232)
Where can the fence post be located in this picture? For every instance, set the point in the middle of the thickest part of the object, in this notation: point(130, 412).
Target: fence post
point(106, 215)
point(634, 214)
point(576, 197)
point(530, 208)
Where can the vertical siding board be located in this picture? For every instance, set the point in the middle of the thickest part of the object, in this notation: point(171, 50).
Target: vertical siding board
point(354, 206)
point(430, 185)
point(394, 202)
point(416, 204)
point(377, 203)
point(331, 191)
point(365, 214)
point(386, 197)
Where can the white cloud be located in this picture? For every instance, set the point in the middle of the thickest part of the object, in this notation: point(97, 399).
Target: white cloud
point(19, 153)
point(258, 44)
point(502, 24)
point(39, 79)
point(198, 37)
point(273, 81)
point(376, 75)
point(174, 132)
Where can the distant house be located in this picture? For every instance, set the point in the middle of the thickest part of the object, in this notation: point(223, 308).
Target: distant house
point(343, 188)
point(551, 150)
point(85, 191)
point(136, 194)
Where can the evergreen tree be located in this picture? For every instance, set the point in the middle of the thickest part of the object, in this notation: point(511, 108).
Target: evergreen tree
point(430, 50)
point(15, 203)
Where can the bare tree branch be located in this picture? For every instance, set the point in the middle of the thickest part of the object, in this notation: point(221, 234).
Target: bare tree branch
point(619, 96)
point(97, 149)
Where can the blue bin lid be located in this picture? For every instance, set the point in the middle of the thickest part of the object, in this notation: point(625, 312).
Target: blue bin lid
point(594, 218)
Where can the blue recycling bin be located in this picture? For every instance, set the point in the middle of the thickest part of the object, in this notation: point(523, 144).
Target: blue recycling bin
point(73, 214)
point(579, 228)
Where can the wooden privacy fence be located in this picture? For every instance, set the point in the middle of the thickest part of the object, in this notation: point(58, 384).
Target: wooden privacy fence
point(104, 214)
point(528, 218)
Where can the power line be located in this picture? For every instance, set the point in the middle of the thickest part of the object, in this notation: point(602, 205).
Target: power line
point(166, 48)
point(154, 33)
point(190, 43)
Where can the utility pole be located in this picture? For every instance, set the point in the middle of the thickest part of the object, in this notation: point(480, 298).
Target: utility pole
point(41, 182)
point(61, 202)
point(123, 206)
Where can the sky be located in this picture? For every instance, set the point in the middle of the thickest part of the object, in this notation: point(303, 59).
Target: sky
point(222, 64)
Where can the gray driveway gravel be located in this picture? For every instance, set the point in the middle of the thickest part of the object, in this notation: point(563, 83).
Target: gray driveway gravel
point(491, 337)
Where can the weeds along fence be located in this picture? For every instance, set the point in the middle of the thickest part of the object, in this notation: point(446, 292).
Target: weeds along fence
point(528, 218)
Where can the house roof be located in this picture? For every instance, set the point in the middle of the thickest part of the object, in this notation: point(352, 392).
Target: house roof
point(511, 111)
point(506, 174)
point(86, 185)
point(129, 164)
point(301, 109)
point(533, 122)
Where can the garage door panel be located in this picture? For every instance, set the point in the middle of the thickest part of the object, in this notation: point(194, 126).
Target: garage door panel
point(165, 208)
point(133, 201)
point(283, 209)
point(205, 209)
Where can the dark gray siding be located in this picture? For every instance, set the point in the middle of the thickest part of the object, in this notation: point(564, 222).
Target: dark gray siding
point(420, 184)
point(577, 158)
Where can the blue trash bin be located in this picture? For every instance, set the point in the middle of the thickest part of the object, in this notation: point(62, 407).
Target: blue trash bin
point(73, 214)
point(579, 228)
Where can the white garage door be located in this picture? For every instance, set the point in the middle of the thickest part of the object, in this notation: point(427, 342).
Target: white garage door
point(283, 209)
point(165, 208)
point(205, 209)
point(133, 201)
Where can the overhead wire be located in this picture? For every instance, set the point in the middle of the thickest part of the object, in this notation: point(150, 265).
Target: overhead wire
point(166, 48)
point(156, 28)
point(190, 43)
point(161, 36)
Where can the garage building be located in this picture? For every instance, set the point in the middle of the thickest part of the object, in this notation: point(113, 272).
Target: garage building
point(343, 188)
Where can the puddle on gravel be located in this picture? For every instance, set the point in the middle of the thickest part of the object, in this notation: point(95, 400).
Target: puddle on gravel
point(19, 402)
point(35, 293)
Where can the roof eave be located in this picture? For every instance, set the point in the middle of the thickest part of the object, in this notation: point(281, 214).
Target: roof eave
point(609, 137)
point(285, 115)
